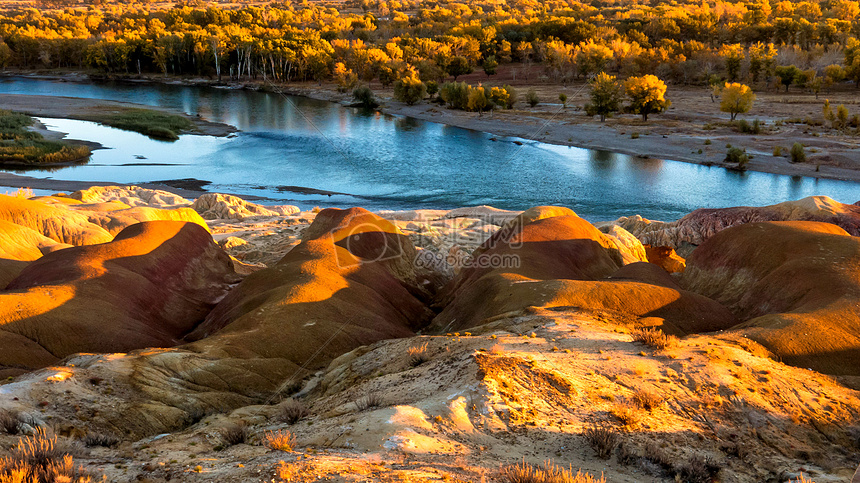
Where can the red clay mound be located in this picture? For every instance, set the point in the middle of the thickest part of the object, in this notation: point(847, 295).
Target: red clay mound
point(559, 261)
point(350, 282)
point(147, 288)
point(59, 224)
point(795, 284)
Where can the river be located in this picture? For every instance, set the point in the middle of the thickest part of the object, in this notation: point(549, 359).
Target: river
point(391, 162)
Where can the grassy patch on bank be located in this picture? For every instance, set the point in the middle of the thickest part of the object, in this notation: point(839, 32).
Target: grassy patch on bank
point(150, 123)
point(20, 146)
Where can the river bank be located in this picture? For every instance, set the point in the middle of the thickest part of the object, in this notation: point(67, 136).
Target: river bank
point(693, 130)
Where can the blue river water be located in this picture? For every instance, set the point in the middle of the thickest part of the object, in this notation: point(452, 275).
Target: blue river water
point(391, 162)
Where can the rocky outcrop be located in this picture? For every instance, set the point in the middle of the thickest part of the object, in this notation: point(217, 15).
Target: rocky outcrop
point(57, 223)
point(147, 288)
point(693, 229)
point(795, 286)
point(665, 258)
point(131, 196)
point(549, 257)
point(217, 206)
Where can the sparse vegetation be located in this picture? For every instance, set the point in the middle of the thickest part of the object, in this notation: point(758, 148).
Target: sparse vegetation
point(654, 338)
point(23, 147)
point(602, 439)
point(697, 470)
point(281, 440)
point(154, 124)
point(293, 411)
point(627, 413)
point(548, 473)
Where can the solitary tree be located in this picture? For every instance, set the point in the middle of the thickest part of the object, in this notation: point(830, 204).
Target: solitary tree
point(736, 99)
point(647, 95)
point(459, 66)
point(605, 96)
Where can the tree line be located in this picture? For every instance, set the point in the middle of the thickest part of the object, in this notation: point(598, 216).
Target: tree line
point(555, 41)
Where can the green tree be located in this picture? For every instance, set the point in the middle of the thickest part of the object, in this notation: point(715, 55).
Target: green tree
point(364, 96)
point(490, 64)
point(647, 95)
point(458, 66)
point(788, 74)
point(605, 96)
point(736, 99)
point(798, 155)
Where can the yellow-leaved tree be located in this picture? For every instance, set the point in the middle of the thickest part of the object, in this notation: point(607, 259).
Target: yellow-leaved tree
point(647, 95)
point(736, 99)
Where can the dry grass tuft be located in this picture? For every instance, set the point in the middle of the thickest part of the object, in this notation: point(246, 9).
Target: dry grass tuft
point(9, 422)
point(418, 355)
point(281, 440)
point(105, 440)
point(801, 479)
point(293, 411)
point(646, 400)
point(549, 473)
point(654, 338)
point(41, 458)
point(369, 401)
point(627, 413)
point(602, 439)
point(235, 434)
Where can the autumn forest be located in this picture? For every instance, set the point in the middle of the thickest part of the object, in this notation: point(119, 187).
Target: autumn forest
point(679, 42)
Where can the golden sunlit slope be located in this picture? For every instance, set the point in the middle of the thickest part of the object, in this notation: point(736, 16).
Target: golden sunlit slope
point(522, 388)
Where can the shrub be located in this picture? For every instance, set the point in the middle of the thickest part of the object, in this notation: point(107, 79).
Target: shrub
point(532, 98)
point(418, 355)
point(280, 440)
point(626, 413)
point(293, 411)
point(456, 94)
point(798, 155)
point(9, 422)
point(777, 150)
point(409, 89)
point(369, 401)
point(801, 479)
point(697, 470)
point(364, 97)
point(563, 98)
point(235, 434)
point(654, 338)
point(746, 128)
point(602, 440)
point(646, 400)
point(105, 440)
point(549, 473)
point(737, 156)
